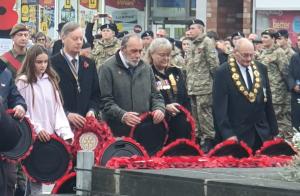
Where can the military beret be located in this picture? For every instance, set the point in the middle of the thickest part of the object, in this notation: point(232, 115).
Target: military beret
point(283, 33)
point(60, 26)
point(196, 21)
point(238, 33)
point(122, 34)
point(269, 32)
point(108, 26)
point(17, 28)
point(147, 33)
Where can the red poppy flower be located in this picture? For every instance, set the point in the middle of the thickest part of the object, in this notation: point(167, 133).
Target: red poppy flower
point(8, 16)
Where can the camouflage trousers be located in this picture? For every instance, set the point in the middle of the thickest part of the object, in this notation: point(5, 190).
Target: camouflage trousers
point(283, 116)
point(202, 112)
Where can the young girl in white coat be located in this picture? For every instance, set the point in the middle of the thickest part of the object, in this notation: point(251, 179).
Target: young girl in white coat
point(38, 84)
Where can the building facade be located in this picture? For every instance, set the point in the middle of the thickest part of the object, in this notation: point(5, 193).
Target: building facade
point(222, 16)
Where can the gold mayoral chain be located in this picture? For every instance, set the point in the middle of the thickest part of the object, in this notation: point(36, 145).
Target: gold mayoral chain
point(251, 94)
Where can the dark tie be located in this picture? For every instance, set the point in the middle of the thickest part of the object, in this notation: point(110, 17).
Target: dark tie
point(249, 81)
point(73, 61)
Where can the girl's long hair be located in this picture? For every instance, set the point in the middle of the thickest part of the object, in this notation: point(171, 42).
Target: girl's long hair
point(28, 69)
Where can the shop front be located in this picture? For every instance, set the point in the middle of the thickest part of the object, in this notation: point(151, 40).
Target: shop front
point(277, 15)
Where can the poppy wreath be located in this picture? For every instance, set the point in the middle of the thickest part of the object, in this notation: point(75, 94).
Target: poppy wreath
point(27, 166)
point(136, 162)
point(7, 14)
point(143, 133)
point(189, 125)
point(237, 149)
point(124, 140)
point(23, 156)
point(63, 185)
point(181, 147)
point(98, 129)
point(277, 147)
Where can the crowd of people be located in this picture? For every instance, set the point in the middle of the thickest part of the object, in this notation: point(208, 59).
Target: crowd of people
point(237, 88)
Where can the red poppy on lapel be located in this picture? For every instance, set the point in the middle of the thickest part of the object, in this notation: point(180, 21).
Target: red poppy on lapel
point(85, 64)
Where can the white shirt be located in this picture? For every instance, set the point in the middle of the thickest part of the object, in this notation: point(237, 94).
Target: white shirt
point(45, 112)
point(244, 74)
point(123, 59)
point(70, 58)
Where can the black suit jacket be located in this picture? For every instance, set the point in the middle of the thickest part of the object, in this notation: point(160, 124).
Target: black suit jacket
point(234, 115)
point(89, 97)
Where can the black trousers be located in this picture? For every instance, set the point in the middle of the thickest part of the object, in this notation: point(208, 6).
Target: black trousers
point(295, 111)
point(3, 179)
point(8, 178)
point(257, 143)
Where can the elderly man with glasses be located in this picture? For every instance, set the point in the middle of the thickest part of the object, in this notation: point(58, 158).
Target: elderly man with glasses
point(242, 101)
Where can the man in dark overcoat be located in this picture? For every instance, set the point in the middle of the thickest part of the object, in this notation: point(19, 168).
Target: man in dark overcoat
point(79, 83)
point(242, 102)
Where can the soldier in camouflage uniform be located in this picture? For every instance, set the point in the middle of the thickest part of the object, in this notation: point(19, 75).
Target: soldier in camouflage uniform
point(176, 58)
point(276, 61)
point(147, 38)
point(283, 41)
point(201, 65)
point(107, 46)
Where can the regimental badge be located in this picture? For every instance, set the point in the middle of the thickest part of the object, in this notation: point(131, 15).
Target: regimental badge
point(88, 141)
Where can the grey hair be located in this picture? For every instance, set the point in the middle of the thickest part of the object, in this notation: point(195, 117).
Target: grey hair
point(126, 39)
point(156, 44)
point(242, 41)
point(69, 27)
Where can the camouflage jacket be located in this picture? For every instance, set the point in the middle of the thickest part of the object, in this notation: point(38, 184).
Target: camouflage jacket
point(202, 61)
point(103, 50)
point(176, 58)
point(144, 52)
point(289, 52)
point(276, 62)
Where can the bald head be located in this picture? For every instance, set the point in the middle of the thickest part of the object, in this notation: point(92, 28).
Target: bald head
point(244, 52)
point(244, 43)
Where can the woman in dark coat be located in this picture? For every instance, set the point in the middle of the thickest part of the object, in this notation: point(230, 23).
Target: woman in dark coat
point(169, 78)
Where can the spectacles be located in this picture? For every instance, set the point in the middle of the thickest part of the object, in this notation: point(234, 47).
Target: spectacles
point(22, 34)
